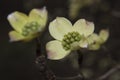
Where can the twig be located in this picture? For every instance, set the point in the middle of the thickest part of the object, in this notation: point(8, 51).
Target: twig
point(44, 70)
point(104, 76)
point(42, 64)
point(70, 78)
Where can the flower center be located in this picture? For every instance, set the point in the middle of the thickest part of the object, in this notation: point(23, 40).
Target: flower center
point(30, 28)
point(69, 39)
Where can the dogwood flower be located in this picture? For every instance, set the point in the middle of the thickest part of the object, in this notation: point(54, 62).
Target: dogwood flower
point(96, 40)
point(68, 37)
point(27, 27)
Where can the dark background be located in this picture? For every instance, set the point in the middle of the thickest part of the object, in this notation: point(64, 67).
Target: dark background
point(17, 59)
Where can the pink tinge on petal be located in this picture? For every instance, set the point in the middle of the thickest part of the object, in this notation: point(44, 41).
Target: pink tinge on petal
point(89, 23)
point(50, 54)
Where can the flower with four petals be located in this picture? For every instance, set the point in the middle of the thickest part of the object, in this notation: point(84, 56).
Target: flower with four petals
point(27, 27)
point(68, 37)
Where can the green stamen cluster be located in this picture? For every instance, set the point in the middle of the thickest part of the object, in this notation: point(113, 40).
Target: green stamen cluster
point(30, 28)
point(70, 38)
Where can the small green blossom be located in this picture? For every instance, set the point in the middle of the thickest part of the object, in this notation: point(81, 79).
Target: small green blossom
point(27, 27)
point(68, 37)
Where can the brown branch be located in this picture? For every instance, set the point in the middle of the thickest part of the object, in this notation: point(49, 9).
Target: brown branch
point(43, 68)
point(71, 78)
point(41, 63)
point(104, 76)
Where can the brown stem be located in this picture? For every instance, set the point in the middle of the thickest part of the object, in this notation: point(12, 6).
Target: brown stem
point(80, 57)
point(38, 47)
point(42, 64)
point(80, 60)
point(70, 78)
point(104, 76)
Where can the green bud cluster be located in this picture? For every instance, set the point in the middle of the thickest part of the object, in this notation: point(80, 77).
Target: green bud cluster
point(30, 28)
point(70, 38)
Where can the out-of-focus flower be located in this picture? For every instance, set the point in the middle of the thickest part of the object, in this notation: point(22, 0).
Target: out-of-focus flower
point(27, 27)
point(95, 40)
point(68, 37)
point(76, 5)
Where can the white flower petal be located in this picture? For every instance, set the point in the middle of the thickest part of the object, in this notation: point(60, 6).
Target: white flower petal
point(94, 46)
point(17, 20)
point(59, 27)
point(39, 15)
point(93, 38)
point(104, 34)
point(94, 42)
point(15, 36)
point(84, 27)
point(83, 43)
point(55, 50)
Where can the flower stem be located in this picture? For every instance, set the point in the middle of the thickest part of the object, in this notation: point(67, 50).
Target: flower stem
point(41, 63)
point(38, 47)
point(80, 57)
point(80, 60)
point(109, 73)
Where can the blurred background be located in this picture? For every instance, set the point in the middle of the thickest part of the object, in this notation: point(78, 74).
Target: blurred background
point(17, 59)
